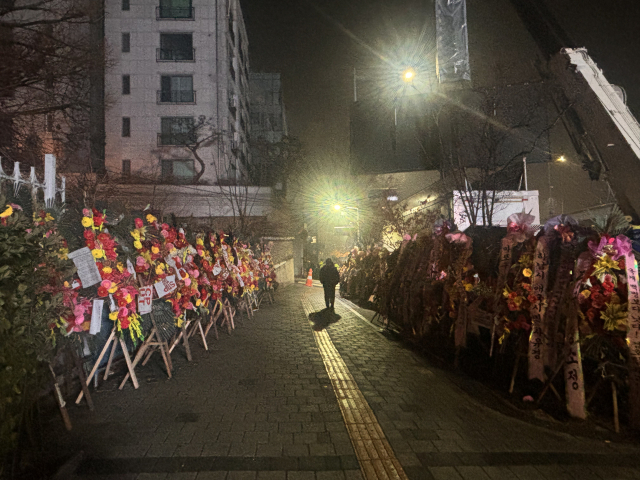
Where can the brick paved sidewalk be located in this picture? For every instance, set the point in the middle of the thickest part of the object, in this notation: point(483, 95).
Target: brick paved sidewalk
point(260, 405)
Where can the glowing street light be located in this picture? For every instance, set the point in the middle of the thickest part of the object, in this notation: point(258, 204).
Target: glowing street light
point(337, 207)
point(408, 75)
point(562, 159)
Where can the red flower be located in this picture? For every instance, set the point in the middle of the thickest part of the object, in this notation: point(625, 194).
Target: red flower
point(608, 286)
point(124, 323)
point(98, 220)
point(89, 235)
point(591, 314)
point(532, 299)
point(122, 302)
point(139, 223)
point(102, 292)
point(91, 244)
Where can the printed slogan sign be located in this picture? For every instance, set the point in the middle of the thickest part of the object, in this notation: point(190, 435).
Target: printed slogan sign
point(166, 286)
point(145, 297)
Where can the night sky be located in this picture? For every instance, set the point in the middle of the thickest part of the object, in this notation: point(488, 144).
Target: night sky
point(315, 51)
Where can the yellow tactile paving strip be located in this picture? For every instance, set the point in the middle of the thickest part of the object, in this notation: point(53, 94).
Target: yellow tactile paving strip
point(376, 458)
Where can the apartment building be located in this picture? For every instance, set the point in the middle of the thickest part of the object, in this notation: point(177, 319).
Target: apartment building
point(177, 93)
point(268, 123)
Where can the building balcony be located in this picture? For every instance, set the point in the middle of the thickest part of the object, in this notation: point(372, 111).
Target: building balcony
point(176, 139)
point(169, 97)
point(179, 55)
point(175, 13)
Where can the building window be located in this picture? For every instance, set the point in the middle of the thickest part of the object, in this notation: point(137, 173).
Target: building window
point(126, 127)
point(126, 42)
point(177, 131)
point(125, 5)
point(126, 167)
point(126, 84)
point(175, 10)
point(176, 47)
point(176, 89)
point(178, 171)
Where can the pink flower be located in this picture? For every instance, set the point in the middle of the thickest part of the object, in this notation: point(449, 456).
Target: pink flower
point(189, 306)
point(29, 230)
point(79, 310)
point(138, 222)
point(164, 234)
point(86, 212)
point(79, 320)
point(106, 284)
point(170, 246)
point(15, 206)
point(140, 261)
point(187, 281)
point(123, 312)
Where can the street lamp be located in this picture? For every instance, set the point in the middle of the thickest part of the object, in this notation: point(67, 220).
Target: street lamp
point(337, 207)
point(408, 75)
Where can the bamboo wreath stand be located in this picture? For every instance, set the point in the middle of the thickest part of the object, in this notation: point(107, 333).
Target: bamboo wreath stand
point(112, 342)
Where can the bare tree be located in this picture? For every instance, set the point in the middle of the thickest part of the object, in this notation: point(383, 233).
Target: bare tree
point(483, 145)
point(53, 59)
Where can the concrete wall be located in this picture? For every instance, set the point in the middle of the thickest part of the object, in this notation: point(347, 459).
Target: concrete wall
point(282, 255)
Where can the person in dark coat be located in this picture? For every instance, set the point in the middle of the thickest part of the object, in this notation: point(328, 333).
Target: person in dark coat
point(329, 277)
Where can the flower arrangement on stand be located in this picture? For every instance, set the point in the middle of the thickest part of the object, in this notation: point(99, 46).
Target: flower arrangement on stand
point(117, 283)
point(603, 307)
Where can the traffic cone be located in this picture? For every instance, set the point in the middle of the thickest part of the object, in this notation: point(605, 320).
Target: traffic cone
point(310, 278)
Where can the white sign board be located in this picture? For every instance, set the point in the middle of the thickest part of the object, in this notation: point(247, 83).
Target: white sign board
point(96, 316)
point(166, 286)
point(506, 203)
point(86, 266)
point(145, 297)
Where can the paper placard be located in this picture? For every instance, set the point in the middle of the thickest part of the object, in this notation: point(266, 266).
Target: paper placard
point(171, 262)
point(86, 266)
point(113, 307)
point(217, 268)
point(131, 270)
point(96, 316)
point(165, 286)
point(145, 297)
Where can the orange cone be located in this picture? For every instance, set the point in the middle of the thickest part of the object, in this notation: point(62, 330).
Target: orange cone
point(310, 278)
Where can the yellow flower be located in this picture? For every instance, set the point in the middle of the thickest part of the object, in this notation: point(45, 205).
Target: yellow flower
point(87, 222)
point(137, 244)
point(120, 267)
point(159, 270)
point(155, 249)
point(128, 298)
point(198, 302)
point(199, 241)
point(135, 234)
point(113, 316)
point(107, 270)
point(49, 218)
point(173, 251)
point(586, 293)
point(8, 212)
point(527, 272)
point(178, 296)
point(113, 289)
point(97, 253)
point(468, 287)
point(518, 300)
point(151, 218)
point(605, 265)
